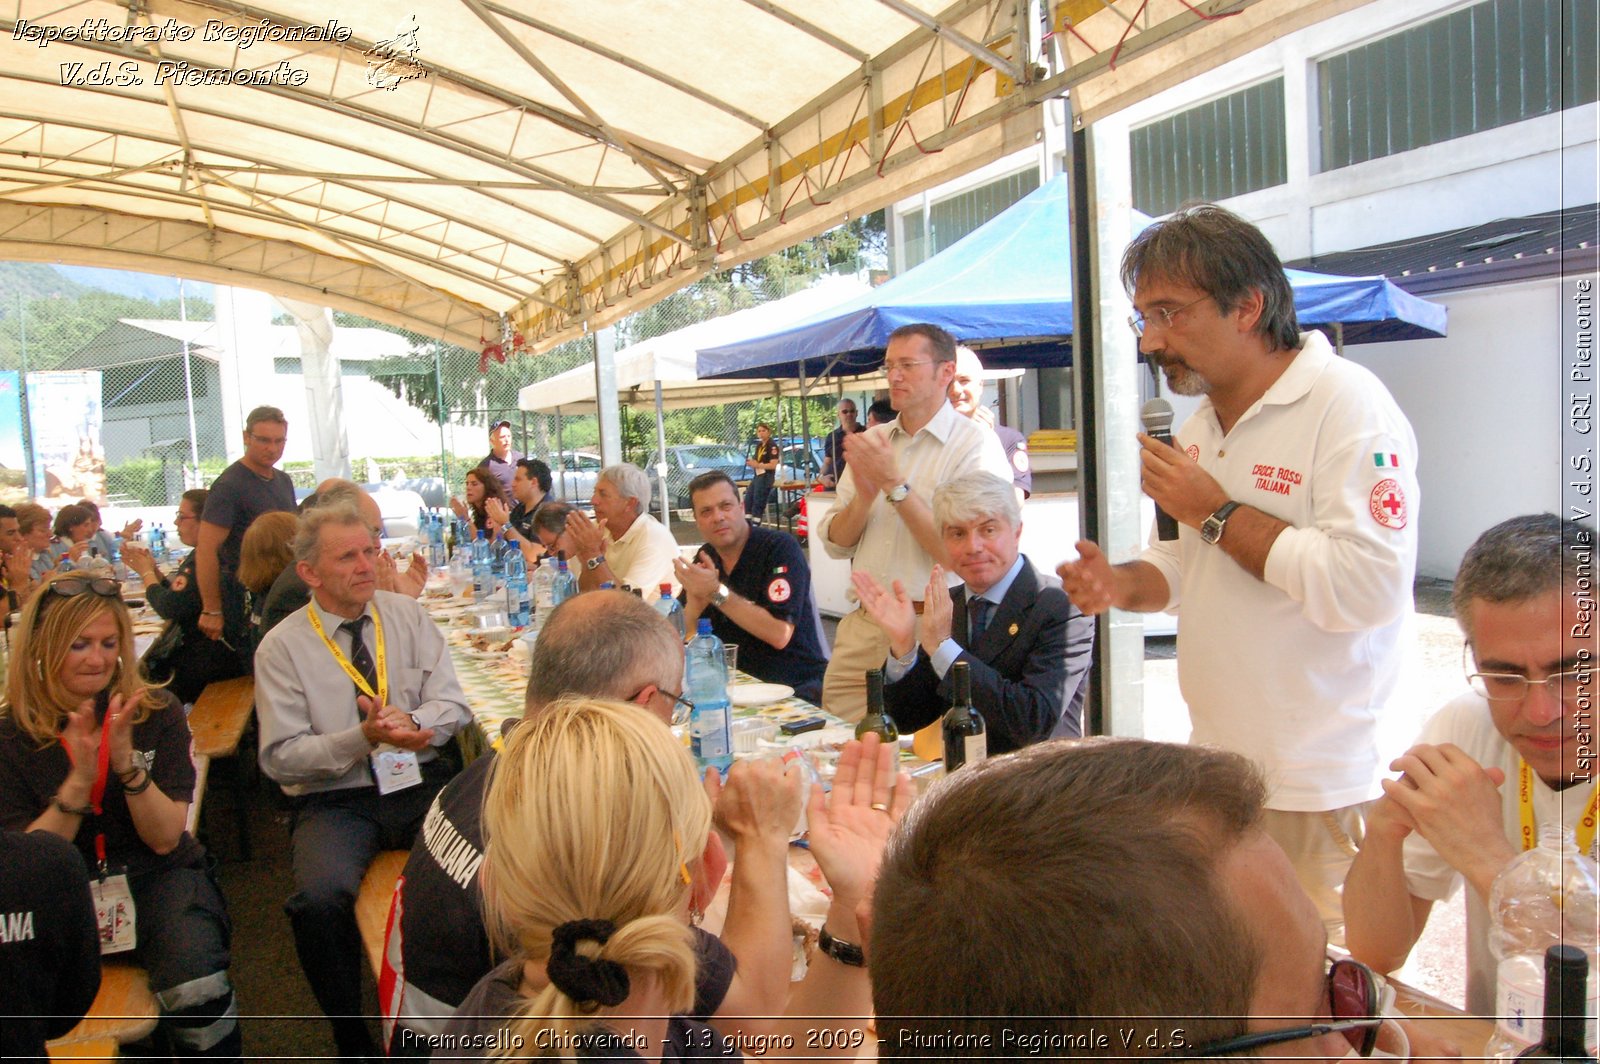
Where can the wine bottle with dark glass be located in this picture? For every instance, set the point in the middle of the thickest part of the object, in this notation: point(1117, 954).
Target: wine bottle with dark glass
point(1566, 1012)
point(877, 718)
point(966, 739)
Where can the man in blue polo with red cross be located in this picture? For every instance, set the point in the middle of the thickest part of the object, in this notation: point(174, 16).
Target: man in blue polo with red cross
point(755, 586)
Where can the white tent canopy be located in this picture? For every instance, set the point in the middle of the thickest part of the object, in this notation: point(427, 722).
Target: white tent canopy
point(670, 359)
point(449, 165)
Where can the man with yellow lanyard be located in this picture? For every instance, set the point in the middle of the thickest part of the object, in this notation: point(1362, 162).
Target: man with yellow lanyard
point(1494, 765)
point(356, 697)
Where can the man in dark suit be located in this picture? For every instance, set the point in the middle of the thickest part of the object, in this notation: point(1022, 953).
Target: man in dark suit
point(1027, 646)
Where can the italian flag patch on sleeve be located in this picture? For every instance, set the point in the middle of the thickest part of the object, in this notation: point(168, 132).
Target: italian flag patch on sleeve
point(1386, 461)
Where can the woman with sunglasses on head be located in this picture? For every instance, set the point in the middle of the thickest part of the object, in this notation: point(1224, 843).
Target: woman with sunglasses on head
point(89, 752)
point(182, 658)
point(598, 860)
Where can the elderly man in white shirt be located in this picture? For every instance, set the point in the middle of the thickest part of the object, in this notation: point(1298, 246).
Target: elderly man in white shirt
point(882, 520)
point(624, 544)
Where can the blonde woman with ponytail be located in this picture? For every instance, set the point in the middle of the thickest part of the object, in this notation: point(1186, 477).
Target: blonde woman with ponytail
point(596, 865)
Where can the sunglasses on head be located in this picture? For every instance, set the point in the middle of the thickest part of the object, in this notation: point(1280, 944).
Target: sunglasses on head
point(75, 586)
point(1355, 998)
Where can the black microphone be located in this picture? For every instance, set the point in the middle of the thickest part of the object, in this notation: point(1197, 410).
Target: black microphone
point(1157, 418)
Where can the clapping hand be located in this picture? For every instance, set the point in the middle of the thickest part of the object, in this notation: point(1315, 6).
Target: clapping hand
point(849, 827)
point(131, 529)
point(893, 611)
point(138, 559)
point(588, 538)
point(498, 514)
point(459, 508)
point(937, 611)
point(760, 802)
point(699, 578)
point(387, 724)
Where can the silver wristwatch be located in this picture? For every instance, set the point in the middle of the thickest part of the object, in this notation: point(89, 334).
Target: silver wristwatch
point(1211, 528)
point(898, 493)
point(721, 596)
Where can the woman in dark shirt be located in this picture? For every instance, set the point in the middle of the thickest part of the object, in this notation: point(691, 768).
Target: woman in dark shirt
point(482, 485)
point(182, 657)
point(90, 753)
point(598, 844)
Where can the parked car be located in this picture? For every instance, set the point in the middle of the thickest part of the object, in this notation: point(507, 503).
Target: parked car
point(800, 462)
point(687, 461)
point(573, 475)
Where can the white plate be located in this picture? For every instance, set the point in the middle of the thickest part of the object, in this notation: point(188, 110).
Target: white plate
point(759, 694)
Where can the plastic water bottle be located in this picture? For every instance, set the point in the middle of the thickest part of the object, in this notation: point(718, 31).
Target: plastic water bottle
point(1548, 896)
point(706, 677)
point(671, 609)
point(158, 544)
point(566, 581)
point(517, 603)
point(544, 592)
point(482, 575)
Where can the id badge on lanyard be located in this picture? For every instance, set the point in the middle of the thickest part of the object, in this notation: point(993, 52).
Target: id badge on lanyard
point(393, 769)
point(113, 899)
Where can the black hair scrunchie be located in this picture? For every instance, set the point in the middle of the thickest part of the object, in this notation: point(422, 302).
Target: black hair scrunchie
point(586, 980)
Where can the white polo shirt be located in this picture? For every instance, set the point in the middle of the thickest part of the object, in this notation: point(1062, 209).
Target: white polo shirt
point(642, 557)
point(1466, 722)
point(1294, 671)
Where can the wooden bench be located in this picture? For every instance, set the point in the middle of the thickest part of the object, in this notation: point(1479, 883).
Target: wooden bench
point(123, 1011)
point(218, 722)
point(372, 904)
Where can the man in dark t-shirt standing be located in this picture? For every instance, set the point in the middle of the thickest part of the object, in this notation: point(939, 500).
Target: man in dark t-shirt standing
point(248, 488)
point(755, 586)
point(501, 460)
point(833, 456)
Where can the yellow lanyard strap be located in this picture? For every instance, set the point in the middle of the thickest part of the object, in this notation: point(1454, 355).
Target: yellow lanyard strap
point(1530, 835)
point(382, 693)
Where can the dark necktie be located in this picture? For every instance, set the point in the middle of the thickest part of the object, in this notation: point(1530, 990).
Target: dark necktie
point(978, 611)
point(360, 656)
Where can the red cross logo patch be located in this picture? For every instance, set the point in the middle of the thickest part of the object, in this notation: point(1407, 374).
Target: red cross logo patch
point(778, 590)
point(1387, 503)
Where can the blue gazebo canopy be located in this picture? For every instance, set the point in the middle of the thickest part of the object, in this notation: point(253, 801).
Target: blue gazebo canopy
point(1008, 285)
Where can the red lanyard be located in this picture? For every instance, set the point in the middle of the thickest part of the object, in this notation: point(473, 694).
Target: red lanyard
point(97, 793)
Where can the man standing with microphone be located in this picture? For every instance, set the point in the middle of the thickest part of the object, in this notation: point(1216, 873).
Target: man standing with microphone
point(1294, 490)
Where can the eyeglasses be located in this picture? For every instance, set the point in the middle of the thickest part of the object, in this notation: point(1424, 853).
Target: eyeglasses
point(75, 586)
point(1355, 1000)
point(682, 708)
point(1158, 317)
point(902, 368)
point(269, 441)
point(1514, 687)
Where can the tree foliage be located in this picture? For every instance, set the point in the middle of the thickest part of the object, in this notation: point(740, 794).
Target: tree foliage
point(61, 320)
point(417, 377)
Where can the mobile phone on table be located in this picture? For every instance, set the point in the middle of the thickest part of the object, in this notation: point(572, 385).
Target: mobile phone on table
point(800, 727)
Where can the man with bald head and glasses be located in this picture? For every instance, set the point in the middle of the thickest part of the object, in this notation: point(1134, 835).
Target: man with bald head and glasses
point(1500, 762)
point(603, 644)
point(1118, 899)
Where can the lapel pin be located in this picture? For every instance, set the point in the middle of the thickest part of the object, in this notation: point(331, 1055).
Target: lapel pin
point(1012, 630)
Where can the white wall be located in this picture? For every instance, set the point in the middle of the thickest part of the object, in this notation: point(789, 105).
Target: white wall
point(1486, 404)
point(1525, 168)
